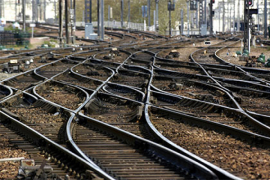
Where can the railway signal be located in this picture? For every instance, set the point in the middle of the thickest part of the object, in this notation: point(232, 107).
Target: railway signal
point(171, 7)
point(193, 5)
point(144, 11)
point(156, 16)
point(88, 11)
point(211, 16)
point(144, 15)
point(250, 2)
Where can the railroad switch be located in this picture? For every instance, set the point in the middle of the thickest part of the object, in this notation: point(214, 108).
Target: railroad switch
point(207, 42)
point(28, 170)
point(174, 53)
point(91, 175)
point(107, 57)
point(13, 66)
point(43, 59)
point(115, 51)
point(176, 86)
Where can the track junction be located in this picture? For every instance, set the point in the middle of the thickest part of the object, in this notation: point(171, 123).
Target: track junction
point(139, 107)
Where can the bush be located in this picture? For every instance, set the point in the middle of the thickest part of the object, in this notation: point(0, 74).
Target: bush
point(51, 43)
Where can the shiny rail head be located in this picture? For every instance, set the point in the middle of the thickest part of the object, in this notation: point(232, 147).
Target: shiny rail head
point(181, 162)
point(5, 92)
point(124, 91)
point(83, 168)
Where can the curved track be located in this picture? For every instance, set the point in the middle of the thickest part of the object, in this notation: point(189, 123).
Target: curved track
point(141, 110)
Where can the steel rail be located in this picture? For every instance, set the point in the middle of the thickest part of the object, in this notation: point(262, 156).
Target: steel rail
point(50, 146)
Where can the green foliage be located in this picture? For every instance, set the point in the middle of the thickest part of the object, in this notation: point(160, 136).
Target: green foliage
point(135, 11)
point(18, 47)
point(10, 28)
point(51, 43)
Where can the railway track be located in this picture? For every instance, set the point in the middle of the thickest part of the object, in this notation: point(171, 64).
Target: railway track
point(130, 157)
point(36, 128)
point(207, 55)
point(131, 116)
point(52, 69)
point(24, 81)
point(204, 140)
point(110, 56)
point(94, 71)
point(77, 80)
point(129, 78)
point(250, 96)
point(5, 92)
point(61, 94)
point(124, 114)
point(193, 90)
point(124, 91)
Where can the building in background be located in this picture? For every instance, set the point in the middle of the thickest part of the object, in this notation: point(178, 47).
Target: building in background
point(231, 9)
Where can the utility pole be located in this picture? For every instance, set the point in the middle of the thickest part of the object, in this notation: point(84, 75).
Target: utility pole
point(109, 13)
point(2, 14)
point(98, 18)
point(44, 10)
point(182, 22)
point(192, 20)
point(154, 13)
point(74, 7)
point(234, 17)
point(188, 16)
point(258, 19)
point(170, 18)
point(265, 18)
point(122, 13)
point(33, 10)
point(230, 23)
point(128, 13)
point(219, 10)
point(149, 13)
point(67, 19)
point(238, 17)
point(196, 16)
point(15, 10)
point(102, 19)
point(23, 12)
point(1, 1)
point(54, 10)
point(40, 11)
point(223, 22)
point(205, 17)
point(61, 22)
point(72, 20)
point(171, 7)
